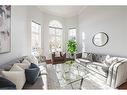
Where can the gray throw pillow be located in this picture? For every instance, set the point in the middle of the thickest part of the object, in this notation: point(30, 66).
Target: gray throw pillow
point(87, 56)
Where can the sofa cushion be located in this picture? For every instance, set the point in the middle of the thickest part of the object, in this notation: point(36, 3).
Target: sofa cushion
point(99, 68)
point(6, 67)
point(32, 73)
point(15, 75)
point(9, 65)
point(6, 84)
point(98, 58)
point(37, 85)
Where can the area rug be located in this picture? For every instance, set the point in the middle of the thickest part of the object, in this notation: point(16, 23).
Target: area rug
point(89, 83)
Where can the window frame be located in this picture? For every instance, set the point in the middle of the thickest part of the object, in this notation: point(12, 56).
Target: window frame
point(55, 36)
point(75, 33)
point(39, 33)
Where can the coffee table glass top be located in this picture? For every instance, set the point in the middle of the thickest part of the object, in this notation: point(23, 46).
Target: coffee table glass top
point(70, 76)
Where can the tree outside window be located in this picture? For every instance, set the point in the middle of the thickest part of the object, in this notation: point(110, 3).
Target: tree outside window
point(55, 30)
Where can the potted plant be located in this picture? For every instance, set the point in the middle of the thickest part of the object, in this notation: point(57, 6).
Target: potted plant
point(71, 47)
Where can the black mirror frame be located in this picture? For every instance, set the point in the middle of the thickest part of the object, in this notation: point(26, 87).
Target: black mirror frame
point(104, 43)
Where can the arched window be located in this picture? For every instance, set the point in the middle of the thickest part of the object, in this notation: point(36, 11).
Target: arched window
point(55, 31)
point(55, 24)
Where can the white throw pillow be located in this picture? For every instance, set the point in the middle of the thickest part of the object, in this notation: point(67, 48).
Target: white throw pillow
point(57, 54)
point(15, 75)
point(23, 65)
point(26, 61)
point(32, 59)
point(84, 55)
point(109, 60)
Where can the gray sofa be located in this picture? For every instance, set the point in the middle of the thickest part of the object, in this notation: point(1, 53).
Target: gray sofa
point(113, 75)
point(41, 82)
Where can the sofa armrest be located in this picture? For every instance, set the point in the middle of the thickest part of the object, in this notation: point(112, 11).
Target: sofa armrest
point(117, 74)
point(110, 73)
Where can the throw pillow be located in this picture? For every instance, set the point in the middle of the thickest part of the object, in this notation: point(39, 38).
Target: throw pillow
point(57, 54)
point(84, 55)
point(22, 65)
point(6, 84)
point(109, 60)
point(87, 56)
point(32, 73)
point(26, 61)
point(33, 66)
point(15, 75)
point(32, 59)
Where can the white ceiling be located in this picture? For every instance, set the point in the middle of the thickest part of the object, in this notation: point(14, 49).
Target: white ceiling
point(63, 11)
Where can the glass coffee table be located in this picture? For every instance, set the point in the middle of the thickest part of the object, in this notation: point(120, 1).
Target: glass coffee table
point(70, 76)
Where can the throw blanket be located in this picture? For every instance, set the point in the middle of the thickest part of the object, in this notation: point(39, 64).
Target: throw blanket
point(112, 74)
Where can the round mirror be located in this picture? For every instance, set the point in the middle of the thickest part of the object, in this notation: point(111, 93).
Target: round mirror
point(100, 39)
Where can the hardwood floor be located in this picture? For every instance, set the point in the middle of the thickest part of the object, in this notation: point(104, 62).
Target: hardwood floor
point(123, 86)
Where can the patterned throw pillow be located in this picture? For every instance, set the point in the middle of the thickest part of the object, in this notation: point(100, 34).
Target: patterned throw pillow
point(32, 59)
point(84, 55)
point(87, 56)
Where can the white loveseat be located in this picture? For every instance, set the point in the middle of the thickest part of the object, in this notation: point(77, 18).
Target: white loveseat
point(114, 73)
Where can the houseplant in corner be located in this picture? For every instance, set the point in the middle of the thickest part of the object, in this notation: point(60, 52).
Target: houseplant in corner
point(71, 48)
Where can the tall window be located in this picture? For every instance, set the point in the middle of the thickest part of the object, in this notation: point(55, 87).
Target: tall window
point(35, 37)
point(72, 33)
point(55, 30)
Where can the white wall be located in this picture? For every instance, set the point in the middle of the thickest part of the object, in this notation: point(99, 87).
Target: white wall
point(34, 14)
point(21, 31)
point(18, 34)
point(111, 20)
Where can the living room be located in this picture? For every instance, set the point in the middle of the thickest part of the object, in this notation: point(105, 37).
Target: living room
point(34, 33)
